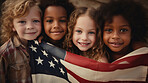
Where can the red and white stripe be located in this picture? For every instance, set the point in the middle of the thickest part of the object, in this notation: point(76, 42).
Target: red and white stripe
point(133, 67)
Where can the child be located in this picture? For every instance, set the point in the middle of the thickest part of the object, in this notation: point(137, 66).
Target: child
point(55, 18)
point(124, 22)
point(56, 14)
point(21, 21)
point(83, 36)
point(122, 25)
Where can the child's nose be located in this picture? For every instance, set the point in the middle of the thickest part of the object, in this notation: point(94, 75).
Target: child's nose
point(29, 25)
point(84, 36)
point(56, 24)
point(115, 35)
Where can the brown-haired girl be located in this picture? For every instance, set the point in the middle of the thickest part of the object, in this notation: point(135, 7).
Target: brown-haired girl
point(84, 36)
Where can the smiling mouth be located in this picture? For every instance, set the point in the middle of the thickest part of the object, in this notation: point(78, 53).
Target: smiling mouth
point(116, 45)
point(83, 44)
point(31, 33)
point(57, 32)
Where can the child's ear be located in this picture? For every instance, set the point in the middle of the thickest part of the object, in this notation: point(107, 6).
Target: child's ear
point(13, 29)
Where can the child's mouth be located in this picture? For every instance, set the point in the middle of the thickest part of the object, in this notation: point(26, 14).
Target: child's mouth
point(115, 44)
point(83, 44)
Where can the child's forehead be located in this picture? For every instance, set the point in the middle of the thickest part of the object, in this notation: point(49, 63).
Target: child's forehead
point(56, 9)
point(116, 18)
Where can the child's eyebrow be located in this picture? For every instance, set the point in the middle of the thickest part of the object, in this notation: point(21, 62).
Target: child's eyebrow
point(48, 17)
point(107, 25)
point(78, 27)
point(93, 29)
point(36, 17)
point(52, 17)
point(126, 25)
point(63, 17)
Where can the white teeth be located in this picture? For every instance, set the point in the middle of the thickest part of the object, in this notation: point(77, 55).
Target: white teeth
point(83, 43)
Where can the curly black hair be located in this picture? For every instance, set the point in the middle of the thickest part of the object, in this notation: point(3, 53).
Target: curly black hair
point(132, 11)
point(68, 6)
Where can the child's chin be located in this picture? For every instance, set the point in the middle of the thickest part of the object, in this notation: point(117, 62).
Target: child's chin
point(83, 50)
point(30, 38)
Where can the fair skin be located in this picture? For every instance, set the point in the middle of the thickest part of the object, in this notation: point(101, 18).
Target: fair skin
point(84, 33)
point(28, 27)
point(117, 35)
point(55, 22)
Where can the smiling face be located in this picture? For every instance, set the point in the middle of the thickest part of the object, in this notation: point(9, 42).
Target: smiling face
point(84, 33)
point(29, 26)
point(117, 35)
point(55, 22)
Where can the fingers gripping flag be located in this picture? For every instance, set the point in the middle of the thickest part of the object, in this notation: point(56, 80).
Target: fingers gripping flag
point(132, 68)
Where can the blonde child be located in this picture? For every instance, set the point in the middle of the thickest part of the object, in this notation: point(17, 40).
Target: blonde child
point(84, 36)
point(21, 21)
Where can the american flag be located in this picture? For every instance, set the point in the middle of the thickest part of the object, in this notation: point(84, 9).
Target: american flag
point(50, 64)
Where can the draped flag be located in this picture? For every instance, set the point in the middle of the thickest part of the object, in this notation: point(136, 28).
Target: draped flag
point(50, 64)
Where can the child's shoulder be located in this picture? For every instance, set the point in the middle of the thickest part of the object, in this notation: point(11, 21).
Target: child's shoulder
point(6, 47)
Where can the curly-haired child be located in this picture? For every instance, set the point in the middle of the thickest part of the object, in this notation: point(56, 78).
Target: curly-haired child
point(124, 22)
point(21, 21)
point(84, 35)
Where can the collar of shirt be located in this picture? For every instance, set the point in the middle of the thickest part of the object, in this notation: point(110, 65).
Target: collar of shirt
point(17, 42)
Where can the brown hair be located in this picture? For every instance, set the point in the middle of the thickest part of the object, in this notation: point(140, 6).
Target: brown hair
point(12, 9)
point(96, 51)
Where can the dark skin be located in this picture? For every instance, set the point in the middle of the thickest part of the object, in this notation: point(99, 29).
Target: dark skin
point(117, 55)
point(135, 45)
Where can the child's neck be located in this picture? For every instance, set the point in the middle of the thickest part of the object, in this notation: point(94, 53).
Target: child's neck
point(83, 53)
point(24, 42)
point(57, 43)
point(123, 52)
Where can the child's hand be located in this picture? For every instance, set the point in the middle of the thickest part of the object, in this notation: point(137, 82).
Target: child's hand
point(137, 45)
point(40, 39)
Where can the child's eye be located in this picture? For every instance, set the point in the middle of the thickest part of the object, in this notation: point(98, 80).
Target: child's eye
point(36, 21)
point(22, 22)
point(63, 21)
point(49, 21)
point(91, 32)
point(78, 31)
point(108, 30)
point(123, 30)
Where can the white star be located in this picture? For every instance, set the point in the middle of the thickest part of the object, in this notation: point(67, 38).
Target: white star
point(36, 42)
point(62, 71)
point(55, 59)
point(33, 48)
point(51, 64)
point(44, 53)
point(39, 60)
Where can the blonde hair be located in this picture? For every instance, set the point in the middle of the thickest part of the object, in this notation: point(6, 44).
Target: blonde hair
point(96, 51)
point(12, 9)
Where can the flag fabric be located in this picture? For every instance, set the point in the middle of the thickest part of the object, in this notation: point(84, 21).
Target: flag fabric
point(45, 68)
point(50, 64)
